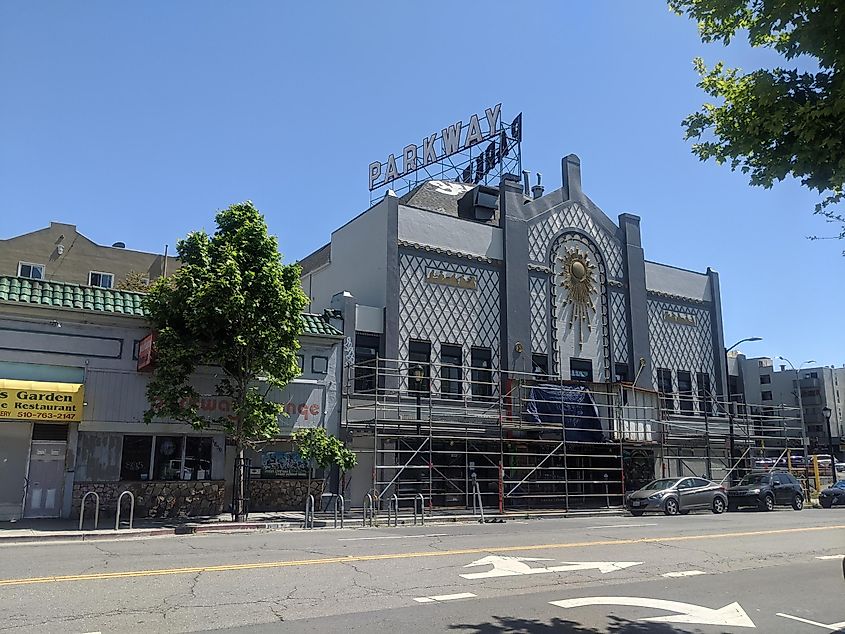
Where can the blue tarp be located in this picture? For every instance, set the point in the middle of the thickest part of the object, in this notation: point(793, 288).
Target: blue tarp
point(572, 405)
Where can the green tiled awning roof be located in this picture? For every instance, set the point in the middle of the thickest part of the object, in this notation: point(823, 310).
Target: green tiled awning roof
point(66, 295)
point(107, 300)
point(318, 325)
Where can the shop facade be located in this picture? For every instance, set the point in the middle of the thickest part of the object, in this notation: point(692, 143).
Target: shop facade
point(72, 402)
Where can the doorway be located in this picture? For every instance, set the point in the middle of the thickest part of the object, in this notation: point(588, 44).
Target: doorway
point(45, 479)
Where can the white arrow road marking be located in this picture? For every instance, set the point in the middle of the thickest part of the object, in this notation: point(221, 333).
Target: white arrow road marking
point(445, 597)
point(833, 627)
point(684, 573)
point(831, 557)
point(513, 566)
point(732, 614)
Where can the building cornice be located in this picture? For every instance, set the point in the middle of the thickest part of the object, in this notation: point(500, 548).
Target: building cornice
point(440, 251)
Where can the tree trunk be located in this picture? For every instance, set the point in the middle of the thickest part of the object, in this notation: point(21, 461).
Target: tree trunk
point(238, 510)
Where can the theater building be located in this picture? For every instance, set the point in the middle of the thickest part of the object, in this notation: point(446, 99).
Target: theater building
point(481, 321)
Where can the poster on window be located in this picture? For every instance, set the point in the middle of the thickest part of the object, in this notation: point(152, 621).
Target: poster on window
point(283, 464)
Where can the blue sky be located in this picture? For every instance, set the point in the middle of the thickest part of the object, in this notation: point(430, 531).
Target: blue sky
point(137, 121)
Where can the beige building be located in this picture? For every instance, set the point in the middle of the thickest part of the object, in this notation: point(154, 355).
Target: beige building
point(60, 253)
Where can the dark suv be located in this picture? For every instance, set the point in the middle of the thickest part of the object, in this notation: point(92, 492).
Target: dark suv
point(764, 490)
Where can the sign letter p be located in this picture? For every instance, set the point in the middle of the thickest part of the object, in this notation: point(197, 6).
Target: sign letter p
point(375, 173)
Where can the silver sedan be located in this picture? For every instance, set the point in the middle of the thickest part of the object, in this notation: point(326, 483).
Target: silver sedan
point(674, 496)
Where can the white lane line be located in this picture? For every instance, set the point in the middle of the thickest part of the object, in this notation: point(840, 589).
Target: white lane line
point(445, 597)
point(620, 526)
point(833, 627)
point(363, 539)
point(831, 557)
point(684, 573)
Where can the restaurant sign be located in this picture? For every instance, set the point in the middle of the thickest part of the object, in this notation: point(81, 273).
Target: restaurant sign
point(41, 401)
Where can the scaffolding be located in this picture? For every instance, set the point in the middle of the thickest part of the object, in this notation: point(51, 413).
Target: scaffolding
point(534, 442)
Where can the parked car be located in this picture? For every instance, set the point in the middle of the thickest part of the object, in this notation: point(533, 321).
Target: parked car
point(834, 495)
point(674, 496)
point(766, 490)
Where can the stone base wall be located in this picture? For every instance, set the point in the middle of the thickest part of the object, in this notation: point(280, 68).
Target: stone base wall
point(177, 498)
point(282, 495)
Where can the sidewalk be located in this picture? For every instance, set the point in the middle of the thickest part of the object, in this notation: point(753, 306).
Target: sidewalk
point(51, 530)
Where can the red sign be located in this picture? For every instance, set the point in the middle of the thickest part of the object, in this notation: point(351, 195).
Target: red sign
point(146, 353)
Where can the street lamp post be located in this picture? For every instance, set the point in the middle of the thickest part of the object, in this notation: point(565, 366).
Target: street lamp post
point(804, 439)
point(826, 412)
point(728, 404)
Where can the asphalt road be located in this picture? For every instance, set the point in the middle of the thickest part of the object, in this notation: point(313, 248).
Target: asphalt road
point(737, 572)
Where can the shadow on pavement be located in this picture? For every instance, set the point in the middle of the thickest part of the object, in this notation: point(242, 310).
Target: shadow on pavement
point(556, 625)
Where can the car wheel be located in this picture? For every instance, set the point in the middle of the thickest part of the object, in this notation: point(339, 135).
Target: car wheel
point(767, 503)
point(798, 502)
point(826, 504)
point(670, 506)
point(637, 513)
point(718, 505)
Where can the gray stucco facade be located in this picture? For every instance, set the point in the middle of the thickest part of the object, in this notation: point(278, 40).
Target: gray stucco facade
point(500, 282)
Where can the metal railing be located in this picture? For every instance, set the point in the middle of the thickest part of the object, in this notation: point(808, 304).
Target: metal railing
point(131, 509)
point(96, 509)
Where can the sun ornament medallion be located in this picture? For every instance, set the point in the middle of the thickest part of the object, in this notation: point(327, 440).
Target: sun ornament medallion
point(578, 281)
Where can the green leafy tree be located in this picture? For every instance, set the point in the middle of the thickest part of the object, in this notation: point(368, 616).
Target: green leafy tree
point(774, 123)
point(320, 448)
point(232, 305)
point(134, 281)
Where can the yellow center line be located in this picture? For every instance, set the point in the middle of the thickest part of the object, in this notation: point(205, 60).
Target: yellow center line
point(388, 556)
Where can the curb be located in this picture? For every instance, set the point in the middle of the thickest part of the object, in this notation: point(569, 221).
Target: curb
point(88, 536)
point(227, 527)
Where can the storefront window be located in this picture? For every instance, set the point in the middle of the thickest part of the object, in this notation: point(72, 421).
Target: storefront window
point(135, 464)
point(197, 458)
point(168, 458)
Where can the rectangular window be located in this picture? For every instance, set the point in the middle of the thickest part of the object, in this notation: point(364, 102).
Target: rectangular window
point(300, 360)
point(103, 280)
point(167, 461)
point(685, 391)
point(765, 379)
point(319, 365)
point(482, 374)
point(664, 387)
point(135, 463)
point(451, 372)
point(703, 384)
point(366, 354)
point(621, 373)
point(766, 396)
point(197, 458)
point(540, 366)
point(30, 270)
point(419, 366)
point(581, 370)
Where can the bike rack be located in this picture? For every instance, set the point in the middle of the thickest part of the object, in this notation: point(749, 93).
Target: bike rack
point(422, 508)
point(394, 503)
point(368, 509)
point(131, 509)
point(309, 511)
point(339, 498)
point(96, 509)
